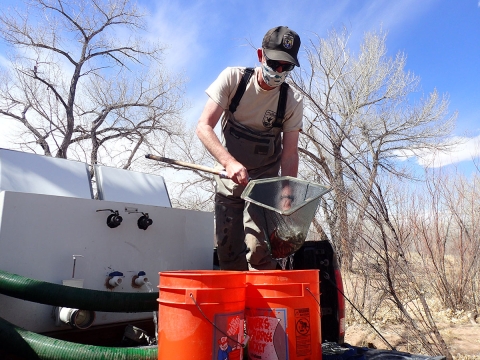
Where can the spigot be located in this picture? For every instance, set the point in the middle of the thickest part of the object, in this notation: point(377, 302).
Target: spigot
point(139, 280)
point(144, 221)
point(114, 279)
point(114, 219)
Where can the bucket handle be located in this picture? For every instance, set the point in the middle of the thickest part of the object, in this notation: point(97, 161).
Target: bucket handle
point(242, 344)
point(310, 291)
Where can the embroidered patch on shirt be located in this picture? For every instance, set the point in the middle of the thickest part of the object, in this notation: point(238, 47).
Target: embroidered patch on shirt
point(269, 118)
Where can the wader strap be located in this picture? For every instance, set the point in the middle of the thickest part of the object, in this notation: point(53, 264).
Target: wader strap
point(241, 89)
point(282, 99)
point(282, 104)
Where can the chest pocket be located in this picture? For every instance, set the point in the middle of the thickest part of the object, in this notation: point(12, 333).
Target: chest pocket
point(253, 149)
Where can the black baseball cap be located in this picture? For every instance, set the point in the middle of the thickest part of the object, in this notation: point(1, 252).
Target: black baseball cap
point(281, 43)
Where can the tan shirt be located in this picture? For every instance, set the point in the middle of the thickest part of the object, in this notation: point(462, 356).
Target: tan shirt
point(258, 107)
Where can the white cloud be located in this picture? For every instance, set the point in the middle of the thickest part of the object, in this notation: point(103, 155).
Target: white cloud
point(465, 149)
point(179, 28)
point(4, 62)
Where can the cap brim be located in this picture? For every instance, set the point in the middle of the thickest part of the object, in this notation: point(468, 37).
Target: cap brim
point(281, 56)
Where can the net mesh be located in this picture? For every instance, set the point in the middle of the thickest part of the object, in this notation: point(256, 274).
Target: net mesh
point(288, 206)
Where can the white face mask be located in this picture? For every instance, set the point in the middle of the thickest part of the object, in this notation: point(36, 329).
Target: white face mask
point(271, 77)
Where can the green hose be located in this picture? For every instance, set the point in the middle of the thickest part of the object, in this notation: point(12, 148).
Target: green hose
point(66, 296)
point(24, 344)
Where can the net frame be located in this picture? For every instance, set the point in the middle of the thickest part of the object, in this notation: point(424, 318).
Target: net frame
point(285, 229)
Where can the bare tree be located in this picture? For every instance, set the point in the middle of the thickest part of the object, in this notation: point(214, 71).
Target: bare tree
point(360, 119)
point(192, 189)
point(446, 234)
point(419, 245)
point(362, 116)
point(388, 232)
point(83, 85)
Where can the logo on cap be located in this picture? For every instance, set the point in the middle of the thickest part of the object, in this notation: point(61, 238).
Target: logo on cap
point(288, 41)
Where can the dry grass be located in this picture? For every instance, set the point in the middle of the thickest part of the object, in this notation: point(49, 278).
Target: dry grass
point(458, 328)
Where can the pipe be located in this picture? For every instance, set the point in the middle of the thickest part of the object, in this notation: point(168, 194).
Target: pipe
point(76, 318)
point(66, 296)
point(28, 345)
point(141, 280)
point(115, 281)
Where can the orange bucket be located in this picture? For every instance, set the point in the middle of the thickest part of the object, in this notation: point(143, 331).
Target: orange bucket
point(201, 314)
point(283, 315)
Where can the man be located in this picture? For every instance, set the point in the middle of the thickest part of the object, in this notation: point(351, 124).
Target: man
point(260, 137)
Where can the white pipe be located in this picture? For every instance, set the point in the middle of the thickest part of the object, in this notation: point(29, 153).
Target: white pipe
point(115, 281)
point(141, 280)
point(81, 319)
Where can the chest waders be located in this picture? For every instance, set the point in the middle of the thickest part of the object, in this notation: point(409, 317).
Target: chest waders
point(240, 240)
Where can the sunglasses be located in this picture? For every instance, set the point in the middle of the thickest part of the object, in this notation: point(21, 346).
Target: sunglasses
point(274, 64)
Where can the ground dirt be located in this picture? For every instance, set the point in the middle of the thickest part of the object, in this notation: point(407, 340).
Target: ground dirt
point(461, 336)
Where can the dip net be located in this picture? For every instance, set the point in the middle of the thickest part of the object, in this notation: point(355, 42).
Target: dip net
point(288, 206)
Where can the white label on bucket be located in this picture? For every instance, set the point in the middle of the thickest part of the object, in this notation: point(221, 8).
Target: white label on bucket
point(303, 336)
point(268, 338)
point(228, 336)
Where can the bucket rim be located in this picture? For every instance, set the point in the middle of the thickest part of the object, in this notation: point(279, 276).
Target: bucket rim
point(268, 277)
point(206, 279)
point(276, 271)
point(200, 272)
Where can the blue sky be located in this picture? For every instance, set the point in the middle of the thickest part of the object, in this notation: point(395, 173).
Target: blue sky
point(441, 39)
